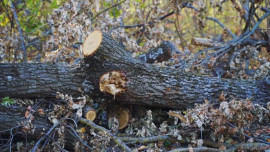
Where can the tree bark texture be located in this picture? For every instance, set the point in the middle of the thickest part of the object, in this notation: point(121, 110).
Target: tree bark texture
point(166, 87)
point(11, 117)
point(41, 80)
point(147, 84)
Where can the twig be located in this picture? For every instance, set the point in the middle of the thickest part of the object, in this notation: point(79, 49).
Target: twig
point(190, 6)
point(75, 123)
point(223, 26)
point(246, 146)
point(213, 19)
point(74, 133)
point(179, 34)
point(52, 138)
point(265, 9)
point(199, 149)
point(20, 31)
point(140, 25)
point(12, 136)
point(256, 139)
point(164, 138)
point(106, 9)
point(149, 139)
point(97, 127)
point(238, 41)
point(238, 8)
point(43, 137)
point(255, 27)
point(57, 123)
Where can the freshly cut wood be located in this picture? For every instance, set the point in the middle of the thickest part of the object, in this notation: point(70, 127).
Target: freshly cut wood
point(113, 82)
point(119, 113)
point(177, 115)
point(89, 113)
point(92, 42)
point(123, 118)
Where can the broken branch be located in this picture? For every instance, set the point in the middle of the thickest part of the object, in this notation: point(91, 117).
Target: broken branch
point(97, 127)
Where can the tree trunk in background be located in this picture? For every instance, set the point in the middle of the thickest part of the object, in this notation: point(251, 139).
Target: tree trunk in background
point(147, 84)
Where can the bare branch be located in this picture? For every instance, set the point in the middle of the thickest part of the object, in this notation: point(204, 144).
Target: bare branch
point(106, 9)
point(223, 26)
point(20, 31)
point(249, 146)
point(46, 135)
point(199, 149)
point(100, 128)
point(149, 139)
point(140, 25)
point(74, 133)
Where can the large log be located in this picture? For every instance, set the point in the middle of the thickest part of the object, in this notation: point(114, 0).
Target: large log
point(146, 84)
point(151, 85)
point(41, 80)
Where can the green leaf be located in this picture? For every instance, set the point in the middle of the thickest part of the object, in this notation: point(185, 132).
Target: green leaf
point(143, 5)
point(20, 6)
point(115, 12)
point(6, 2)
point(167, 143)
point(54, 4)
point(1, 18)
point(6, 99)
point(141, 43)
point(106, 4)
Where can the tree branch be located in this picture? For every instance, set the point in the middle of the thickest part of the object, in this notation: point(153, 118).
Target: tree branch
point(106, 9)
point(223, 26)
point(140, 25)
point(100, 128)
point(236, 42)
point(199, 149)
point(46, 135)
point(20, 31)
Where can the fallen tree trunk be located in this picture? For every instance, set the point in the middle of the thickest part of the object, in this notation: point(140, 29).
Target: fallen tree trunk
point(165, 87)
point(41, 80)
point(140, 83)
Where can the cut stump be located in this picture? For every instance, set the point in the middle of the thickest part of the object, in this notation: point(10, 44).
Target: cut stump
point(89, 113)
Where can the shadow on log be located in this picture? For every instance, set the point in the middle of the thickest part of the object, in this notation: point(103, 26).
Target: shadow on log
point(146, 84)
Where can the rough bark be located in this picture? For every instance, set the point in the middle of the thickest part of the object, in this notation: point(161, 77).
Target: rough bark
point(165, 87)
point(147, 84)
point(41, 80)
point(11, 117)
point(167, 50)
